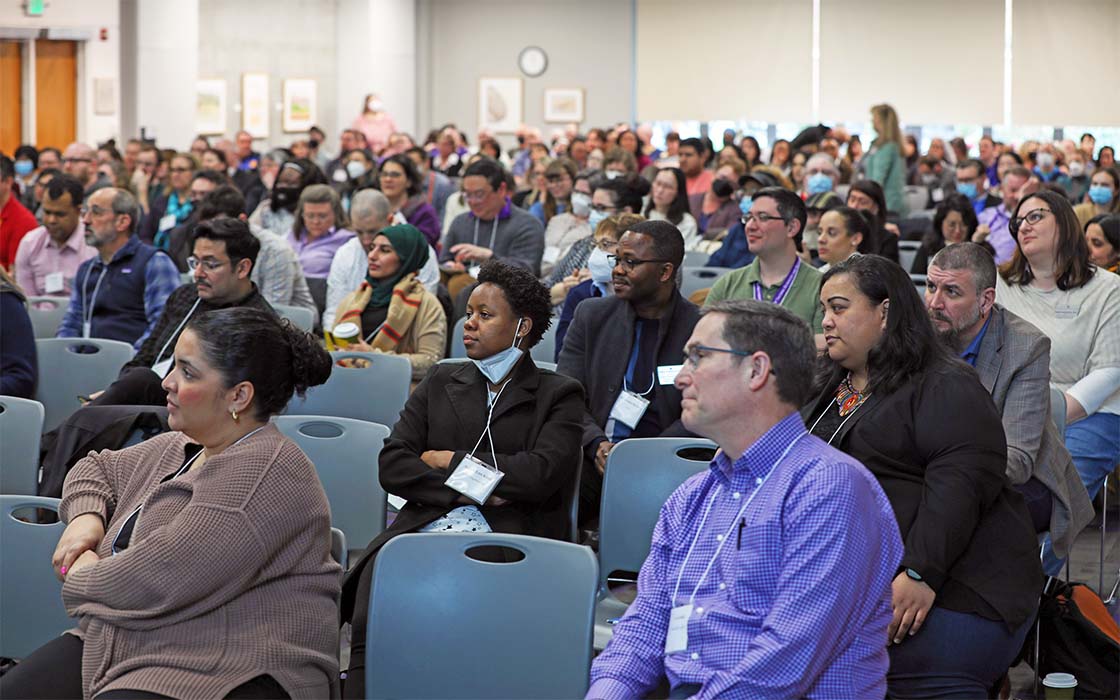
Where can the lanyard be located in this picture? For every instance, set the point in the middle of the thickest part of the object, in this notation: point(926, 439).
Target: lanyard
point(176, 333)
point(786, 284)
point(827, 408)
point(493, 231)
point(727, 534)
point(88, 302)
point(135, 515)
point(486, 432)
point(634, 362)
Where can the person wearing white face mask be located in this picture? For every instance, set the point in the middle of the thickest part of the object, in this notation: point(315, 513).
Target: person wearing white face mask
point(513, 426)
point(375, 123)
point(564, 229)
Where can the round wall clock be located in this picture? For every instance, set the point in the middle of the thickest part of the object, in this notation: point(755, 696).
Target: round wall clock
point(533, 61)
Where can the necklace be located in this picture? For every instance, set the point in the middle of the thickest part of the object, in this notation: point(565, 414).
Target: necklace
point(847, 398)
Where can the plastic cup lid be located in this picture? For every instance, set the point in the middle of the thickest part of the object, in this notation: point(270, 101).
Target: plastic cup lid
point(346, 330)
point(1060, 680)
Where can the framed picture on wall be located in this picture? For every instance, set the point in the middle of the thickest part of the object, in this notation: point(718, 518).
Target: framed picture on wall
point(300, 104)
point(210, 107)
point(499, 104)
point(254, 104)
point(563, 105)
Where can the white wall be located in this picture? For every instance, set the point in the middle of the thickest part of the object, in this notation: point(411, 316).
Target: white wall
point(97, 58)
point(283, 38)
point(588, 43)
point(378, 54)
point(166, 64)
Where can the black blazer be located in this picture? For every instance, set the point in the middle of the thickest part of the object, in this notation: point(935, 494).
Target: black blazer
point(937, 447)
point(597, 349)
point(536, 429)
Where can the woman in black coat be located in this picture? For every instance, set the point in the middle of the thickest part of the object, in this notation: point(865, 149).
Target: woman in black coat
point(533, 439)
point(920, 420)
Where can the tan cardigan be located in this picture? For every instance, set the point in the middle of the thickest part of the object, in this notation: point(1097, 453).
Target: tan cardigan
point(228, 574)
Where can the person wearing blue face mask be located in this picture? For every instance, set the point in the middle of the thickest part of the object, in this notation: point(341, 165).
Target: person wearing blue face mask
point(498, 415)
point(1103, 196)
point(821, 174)
point(27, 171)
point(599, 268)
point(971, 183)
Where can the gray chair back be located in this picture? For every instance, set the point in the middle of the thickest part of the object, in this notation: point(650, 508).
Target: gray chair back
point(693, 279)
point(72, 366)
point(375, 394)
point(21, 425)
point(508, 629)
point(338, 548)
point(301, 317)
point(344, 452)
point(31, 610)
point(907, 251)
point(46, 314)
point(457, 347)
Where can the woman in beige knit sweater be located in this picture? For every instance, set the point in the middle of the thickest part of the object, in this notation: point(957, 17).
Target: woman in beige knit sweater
point(198, 563)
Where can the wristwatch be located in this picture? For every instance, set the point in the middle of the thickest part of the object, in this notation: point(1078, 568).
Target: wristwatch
point(914, 575)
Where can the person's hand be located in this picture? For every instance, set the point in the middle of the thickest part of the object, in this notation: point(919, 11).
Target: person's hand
point(911, 601)
point(892, 229)
point(601, 454)
point(83, 534)
point(453, 268)
point(806, 255)
point(467, 251)
point(496, 501)
point(1031, 186)
point(982, 233)
point(88, 557)
point(437, 459)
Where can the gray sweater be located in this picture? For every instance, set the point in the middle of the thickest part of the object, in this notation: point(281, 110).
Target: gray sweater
point(518, 240)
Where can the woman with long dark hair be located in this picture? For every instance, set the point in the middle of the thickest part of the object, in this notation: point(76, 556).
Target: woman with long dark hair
point(891, 395)
point(668, 201)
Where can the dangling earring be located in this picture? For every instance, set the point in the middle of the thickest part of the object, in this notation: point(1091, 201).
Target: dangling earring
point(233, 412)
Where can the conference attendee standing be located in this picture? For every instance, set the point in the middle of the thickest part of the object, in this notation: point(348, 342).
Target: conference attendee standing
point(883, 163)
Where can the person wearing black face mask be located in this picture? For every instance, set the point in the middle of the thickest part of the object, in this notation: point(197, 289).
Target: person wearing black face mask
point(276, 213)
point(717, 210)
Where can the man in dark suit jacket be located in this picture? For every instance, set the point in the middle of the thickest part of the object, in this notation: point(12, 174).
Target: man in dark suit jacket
point(1012, 358)
point(625, 349)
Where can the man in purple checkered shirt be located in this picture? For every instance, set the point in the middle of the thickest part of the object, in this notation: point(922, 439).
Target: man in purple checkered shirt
point(769, 575)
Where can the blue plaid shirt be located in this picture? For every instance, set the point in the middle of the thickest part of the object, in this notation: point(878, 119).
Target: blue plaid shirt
point(798, 600)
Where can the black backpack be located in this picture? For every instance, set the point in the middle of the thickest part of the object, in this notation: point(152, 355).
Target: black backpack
point(1079, 637)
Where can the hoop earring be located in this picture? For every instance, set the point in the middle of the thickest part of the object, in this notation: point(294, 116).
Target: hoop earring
point(233, 412)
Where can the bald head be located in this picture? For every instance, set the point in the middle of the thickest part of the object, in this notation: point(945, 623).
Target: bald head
point(80, 160)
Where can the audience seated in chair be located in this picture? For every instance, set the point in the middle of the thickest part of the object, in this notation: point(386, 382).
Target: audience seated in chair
point(623, 348)
point(235, 528)
point(891, 396)
point(394, 313)
point(48, 257)
point(498, 409)
point(782, 613)
point(19, 364)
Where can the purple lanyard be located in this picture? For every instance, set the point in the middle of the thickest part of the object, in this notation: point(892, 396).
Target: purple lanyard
point(784, 289)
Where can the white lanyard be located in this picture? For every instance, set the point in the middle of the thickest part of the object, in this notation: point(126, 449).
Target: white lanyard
point(486, 432)
point(176, 475)
point(88, 302)
point(179, 328)
point(726, 535)
point(827, 408)
point(493, 232)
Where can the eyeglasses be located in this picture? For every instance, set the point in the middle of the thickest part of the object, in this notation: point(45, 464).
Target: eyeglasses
point(310, 216)
point(179, 170)
point(1033, 217)
point(477, 195)
point(77, 160)
point(606, 245)
point(95, 210)
point(208, 265)
point(693, 355)
point(629, 264)
point(761, 217)
point(391, 174)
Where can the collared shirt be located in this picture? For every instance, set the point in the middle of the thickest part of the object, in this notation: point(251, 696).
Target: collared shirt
point(15, 223)
point(782, 612)
point(39, 256)
point(315, 255)
point(998, 220)
point(802, 298)
point(973, 350)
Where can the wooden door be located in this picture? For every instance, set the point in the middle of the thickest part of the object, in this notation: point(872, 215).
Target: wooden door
point(11, 96)
point(56, 93)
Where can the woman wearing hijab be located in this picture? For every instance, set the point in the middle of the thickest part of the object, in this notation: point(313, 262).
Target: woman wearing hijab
point(394, 312)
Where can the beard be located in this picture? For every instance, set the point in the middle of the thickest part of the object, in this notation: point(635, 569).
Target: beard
point(953, 335)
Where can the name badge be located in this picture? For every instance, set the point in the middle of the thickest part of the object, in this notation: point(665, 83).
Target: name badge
point(473, 270)
point(937, 194)
point(1063, 310)
point(167, 222)
point(474, 479)
point(87, 329)
point(667, 374)
point(53, 283)
point(162, 368)
point(629, 408)
point(551, 254)
point(677, 637)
